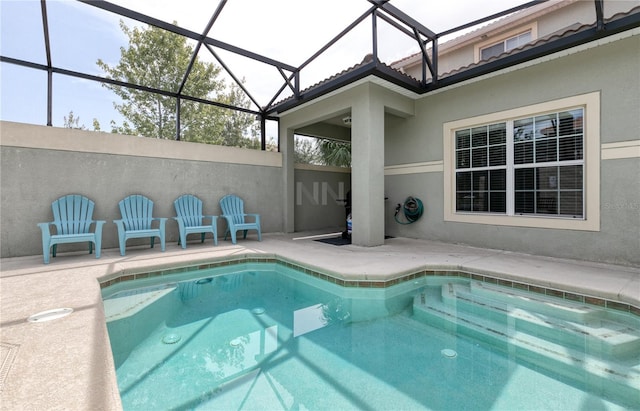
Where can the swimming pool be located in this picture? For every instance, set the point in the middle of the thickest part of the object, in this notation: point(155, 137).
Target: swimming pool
point(265, 336)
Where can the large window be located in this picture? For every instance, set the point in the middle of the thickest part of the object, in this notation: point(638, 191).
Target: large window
point(541, 171)
point(531, 166)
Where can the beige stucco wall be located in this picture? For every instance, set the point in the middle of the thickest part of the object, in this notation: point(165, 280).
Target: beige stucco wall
point(542, 24)
point(414, 151)
point(318, 195)
point(39, 164)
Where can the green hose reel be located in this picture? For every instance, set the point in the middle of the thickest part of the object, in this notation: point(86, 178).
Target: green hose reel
point(412, 210)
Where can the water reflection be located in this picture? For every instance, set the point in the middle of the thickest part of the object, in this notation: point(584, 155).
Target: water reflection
point(319, 315)
point(240, 354)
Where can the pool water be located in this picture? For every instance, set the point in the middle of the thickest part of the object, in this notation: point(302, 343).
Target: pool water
point(267, 337)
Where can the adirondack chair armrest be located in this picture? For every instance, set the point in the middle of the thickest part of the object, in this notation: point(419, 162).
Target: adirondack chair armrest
point(255, 216)
point(120, 222)
point(181, 220)
point(182, 225)
point(213, 218)
point(99, 224)
point(162, 221)
point(45, 227)
point(229, 218)
point(46, 233)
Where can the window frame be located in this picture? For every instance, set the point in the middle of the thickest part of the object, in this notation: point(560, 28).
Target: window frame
point(492, 40)
point(505, 44)
point(590, 221)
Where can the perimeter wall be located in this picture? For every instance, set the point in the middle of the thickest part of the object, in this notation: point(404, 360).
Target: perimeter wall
point(40, 164)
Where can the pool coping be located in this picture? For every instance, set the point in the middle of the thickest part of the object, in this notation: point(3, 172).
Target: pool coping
point(335, 278)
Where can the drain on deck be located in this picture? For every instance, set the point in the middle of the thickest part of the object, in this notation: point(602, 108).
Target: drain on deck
point(50, 315)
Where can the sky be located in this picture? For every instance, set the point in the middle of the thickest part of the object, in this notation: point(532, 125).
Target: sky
point(290, 31)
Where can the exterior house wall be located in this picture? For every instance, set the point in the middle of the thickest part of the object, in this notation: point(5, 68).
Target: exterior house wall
point(414, 152)
point(557, 16)
point(583, 12)
point(40, 164)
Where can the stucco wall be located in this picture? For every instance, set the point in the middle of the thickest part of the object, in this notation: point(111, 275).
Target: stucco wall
point(318, 193)
point(560, 17)
point(610, 69)
point(40, 164)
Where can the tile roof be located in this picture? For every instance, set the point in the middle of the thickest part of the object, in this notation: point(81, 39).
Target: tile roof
point(566, 32)
point(366, 67)
point(393, 71)
point(502, 24)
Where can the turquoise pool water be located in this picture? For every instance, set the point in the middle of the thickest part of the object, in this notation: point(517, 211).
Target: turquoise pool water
point(265, 337)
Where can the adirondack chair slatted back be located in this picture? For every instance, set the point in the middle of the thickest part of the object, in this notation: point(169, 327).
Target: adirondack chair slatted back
point(233, 205)
point(137, 212)
point(189, 208)
point(72, 214)
point(73, 220)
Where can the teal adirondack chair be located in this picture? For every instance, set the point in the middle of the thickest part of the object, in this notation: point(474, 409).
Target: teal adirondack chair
point(233, 211)
point(72, 218)
point(191, 220)
point(137, 219)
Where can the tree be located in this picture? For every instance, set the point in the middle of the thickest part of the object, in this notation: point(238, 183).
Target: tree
point(73, 122)
point(334, 153)
point(304, 151)
point(322, 151)
point(240, 129)
point(159, 59)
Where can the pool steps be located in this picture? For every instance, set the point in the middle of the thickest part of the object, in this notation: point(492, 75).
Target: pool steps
point(563, 309)
point(127, 303)
point(581, 324)
point(588, 344)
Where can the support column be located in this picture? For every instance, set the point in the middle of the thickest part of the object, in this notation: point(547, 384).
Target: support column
point(367, 169)
point(288, 202)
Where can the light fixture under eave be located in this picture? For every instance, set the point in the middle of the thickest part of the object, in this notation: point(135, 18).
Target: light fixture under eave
point(346, 120)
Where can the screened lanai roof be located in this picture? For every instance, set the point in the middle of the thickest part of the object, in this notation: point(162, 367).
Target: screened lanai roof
point(281, 53)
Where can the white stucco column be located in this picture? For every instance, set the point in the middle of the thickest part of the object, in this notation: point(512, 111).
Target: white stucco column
point(288, 175)
point(367, 168)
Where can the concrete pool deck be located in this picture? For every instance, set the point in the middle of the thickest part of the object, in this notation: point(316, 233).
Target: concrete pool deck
point(66, 363)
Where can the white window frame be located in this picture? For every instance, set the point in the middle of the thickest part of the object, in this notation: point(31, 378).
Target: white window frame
point(501, 38)
point(591, 172)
